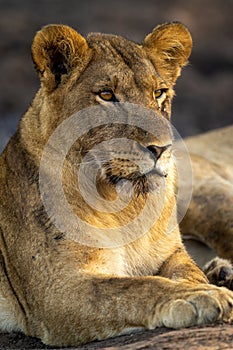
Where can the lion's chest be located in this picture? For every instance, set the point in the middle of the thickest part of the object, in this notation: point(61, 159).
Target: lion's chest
point(142, 258)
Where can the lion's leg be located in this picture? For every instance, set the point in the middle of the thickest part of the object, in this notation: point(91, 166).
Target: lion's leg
point(218, 271)
point(210, 219)
point(8, 318)
point(113, 306)
point(86, 308)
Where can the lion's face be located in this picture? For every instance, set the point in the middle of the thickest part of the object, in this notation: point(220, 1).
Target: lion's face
point(121, 71)
point(108, 71)
point(127, 152)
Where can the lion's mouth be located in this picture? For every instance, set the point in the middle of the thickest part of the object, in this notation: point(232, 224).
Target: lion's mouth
point(134, 177)
point(142, 183)
point(150, 170)
point(144, 166)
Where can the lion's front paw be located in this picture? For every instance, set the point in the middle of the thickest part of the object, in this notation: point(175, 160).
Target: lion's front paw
point(219, 272)
point(204, 305)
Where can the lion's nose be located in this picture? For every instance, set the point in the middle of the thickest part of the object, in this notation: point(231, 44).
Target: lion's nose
point(157, 151)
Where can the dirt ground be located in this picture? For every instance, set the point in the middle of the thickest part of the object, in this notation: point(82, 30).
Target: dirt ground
point(204, 101)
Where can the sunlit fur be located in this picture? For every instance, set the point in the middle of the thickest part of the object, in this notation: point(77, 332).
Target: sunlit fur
point(51, 286)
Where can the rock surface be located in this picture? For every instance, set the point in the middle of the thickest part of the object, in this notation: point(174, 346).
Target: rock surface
point(214, 338)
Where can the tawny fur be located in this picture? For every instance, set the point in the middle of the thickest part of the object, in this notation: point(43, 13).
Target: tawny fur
point(51, 286)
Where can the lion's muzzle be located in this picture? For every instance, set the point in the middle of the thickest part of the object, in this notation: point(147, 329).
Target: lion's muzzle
point(128, 159)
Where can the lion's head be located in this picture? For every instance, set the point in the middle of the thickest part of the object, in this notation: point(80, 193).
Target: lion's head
point(76, 72)
point(109, 75)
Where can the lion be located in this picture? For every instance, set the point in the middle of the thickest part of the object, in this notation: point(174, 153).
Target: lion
point(54, 286)
point(209, 218)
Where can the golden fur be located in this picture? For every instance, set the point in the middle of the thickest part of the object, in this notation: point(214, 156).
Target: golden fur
point(213, 178)
point(209, 218)
point(54, 288)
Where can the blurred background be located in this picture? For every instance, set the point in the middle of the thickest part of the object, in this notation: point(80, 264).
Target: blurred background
point(204, 93)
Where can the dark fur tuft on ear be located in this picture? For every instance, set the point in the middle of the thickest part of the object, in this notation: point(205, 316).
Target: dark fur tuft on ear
point(56, 50)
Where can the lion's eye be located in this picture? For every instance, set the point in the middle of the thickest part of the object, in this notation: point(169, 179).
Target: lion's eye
point(107, 96)
point(159, 94)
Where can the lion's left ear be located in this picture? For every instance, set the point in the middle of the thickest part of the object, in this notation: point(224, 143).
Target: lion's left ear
point(56, 50)
point(169, 47)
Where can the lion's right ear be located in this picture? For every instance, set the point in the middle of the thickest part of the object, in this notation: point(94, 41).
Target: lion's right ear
point(169, 46)
point(56, 50)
